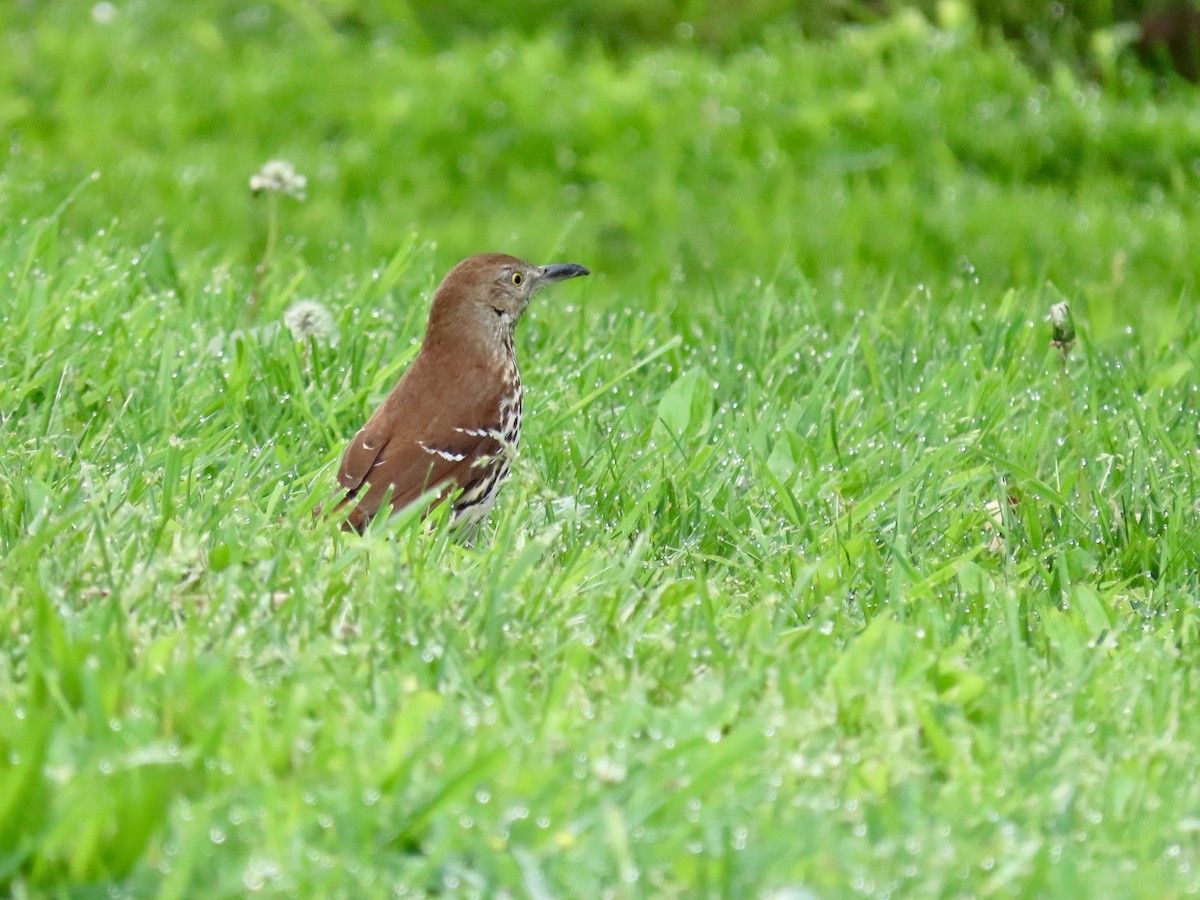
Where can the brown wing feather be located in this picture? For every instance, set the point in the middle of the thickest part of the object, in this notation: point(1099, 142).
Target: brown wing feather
point(365, 448)
point(416, 441)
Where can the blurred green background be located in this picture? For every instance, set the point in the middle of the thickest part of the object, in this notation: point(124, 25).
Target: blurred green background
point(866, 154)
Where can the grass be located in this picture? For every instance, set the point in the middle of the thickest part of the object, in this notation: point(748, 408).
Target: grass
point(821, 573)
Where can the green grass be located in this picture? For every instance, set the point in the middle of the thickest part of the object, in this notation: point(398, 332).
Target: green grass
point(819, 571)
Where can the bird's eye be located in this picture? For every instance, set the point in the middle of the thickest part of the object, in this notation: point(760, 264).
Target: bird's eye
point(517, 278)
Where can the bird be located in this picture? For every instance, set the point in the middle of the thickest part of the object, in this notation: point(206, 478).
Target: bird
point(453, 420)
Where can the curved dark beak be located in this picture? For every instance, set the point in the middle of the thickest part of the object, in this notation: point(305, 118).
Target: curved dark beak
point(561, 272)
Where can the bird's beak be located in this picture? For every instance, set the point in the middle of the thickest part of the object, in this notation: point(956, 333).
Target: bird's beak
point(561, 272)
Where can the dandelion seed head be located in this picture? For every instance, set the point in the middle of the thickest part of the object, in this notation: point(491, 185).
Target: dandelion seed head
point(309, 319)
point(280, 177)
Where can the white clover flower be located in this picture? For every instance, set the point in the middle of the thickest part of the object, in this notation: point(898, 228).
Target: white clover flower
point(279, 176)
point(309, 319)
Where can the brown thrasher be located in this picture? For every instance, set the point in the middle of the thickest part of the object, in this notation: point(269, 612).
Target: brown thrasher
point(454, 418)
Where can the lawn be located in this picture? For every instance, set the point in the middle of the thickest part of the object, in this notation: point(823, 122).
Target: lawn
point(821, 573)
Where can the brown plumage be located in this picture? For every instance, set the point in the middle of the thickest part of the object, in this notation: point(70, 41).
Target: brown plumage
point(454, 418)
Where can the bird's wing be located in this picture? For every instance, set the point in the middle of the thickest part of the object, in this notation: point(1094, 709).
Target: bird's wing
point(365, 448)
point(413, 444)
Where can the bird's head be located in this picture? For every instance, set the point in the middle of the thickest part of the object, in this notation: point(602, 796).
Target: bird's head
point(488, 293)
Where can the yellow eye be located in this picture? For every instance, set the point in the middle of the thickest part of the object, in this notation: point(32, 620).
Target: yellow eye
point(517, 278)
